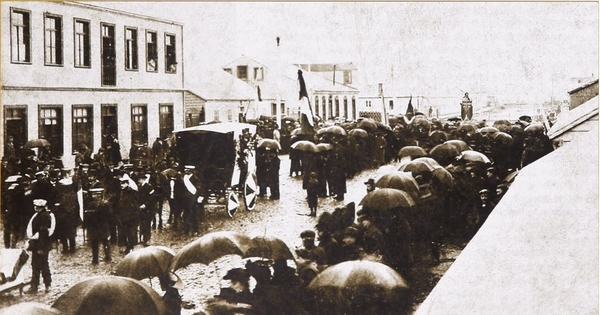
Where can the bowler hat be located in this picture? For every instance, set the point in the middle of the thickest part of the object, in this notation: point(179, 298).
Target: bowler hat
point(238, 274)
point(308, 234)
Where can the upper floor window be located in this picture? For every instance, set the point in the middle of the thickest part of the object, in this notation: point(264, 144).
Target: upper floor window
point(53, 40)
point(20, 40)
point(131, 50)
point(242, 72)
point(391, 104)
point(82, 43)
point(368, 103)
point(258, 73)
point(151, 52)
point(170, 54)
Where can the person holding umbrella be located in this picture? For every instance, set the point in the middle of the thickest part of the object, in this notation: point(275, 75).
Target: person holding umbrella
point(39, 230)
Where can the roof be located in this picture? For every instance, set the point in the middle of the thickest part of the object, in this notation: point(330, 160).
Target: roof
point(224, 127)
point(218, 85)
point(537, 253)
point(568, 120)
point(583, 86)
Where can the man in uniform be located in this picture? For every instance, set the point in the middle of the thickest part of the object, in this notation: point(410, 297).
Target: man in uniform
point(192, 197)
point(39, 230)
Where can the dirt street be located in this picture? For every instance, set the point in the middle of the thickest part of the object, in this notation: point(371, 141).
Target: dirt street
point(285, 218)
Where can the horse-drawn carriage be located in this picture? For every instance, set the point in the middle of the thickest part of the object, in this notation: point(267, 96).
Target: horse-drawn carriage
point(223, 159)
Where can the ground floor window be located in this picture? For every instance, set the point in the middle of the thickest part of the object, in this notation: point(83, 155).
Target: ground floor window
point(51, 127)
point(139, 124)
point(109, 124)
point(165, 120)
point(15, 126)
point(83, 127)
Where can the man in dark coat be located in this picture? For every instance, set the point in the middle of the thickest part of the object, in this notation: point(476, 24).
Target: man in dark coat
point(273, 174)
point(97, 215)
point(128, 214)
point(67, 214)
point(192, 198)
point(39, 230)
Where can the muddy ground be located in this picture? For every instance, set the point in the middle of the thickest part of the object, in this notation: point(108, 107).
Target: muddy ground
point(284, 218)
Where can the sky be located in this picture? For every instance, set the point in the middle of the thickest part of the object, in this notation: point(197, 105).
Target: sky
point(514, 50)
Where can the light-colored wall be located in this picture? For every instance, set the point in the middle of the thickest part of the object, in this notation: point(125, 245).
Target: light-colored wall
point(37, 74)
point(123, 100)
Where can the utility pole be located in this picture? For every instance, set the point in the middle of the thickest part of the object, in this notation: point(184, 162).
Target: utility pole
point(385, 116)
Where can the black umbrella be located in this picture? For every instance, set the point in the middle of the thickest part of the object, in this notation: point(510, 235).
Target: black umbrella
point(367, 124)
point(385, 199)
point(36, 143)
point(110, 295)
point(210, 247)
point(399, 180)
point(413, 151)
point(269, 144)
point(359, 287)
point(444, 153)
point(305, 146)
point(151, 261)
point(358, 133)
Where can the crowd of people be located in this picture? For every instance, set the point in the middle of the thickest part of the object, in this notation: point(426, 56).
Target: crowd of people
point(120, 201)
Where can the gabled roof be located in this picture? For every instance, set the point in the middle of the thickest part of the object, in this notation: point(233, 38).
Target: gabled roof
point(583, 86)
point(569, 120)
point(218, 85)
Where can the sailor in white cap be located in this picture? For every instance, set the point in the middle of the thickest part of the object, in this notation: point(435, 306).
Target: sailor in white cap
point(39, 230)
point(192, 200)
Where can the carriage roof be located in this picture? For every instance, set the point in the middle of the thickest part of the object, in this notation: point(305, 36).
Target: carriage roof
point(224, 127)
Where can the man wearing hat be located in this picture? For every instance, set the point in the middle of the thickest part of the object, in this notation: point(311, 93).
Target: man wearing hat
point(309, 250)
point(370, 185)
point(192, 197)
point(127, 214)
point(96, 220)
point(39, 230)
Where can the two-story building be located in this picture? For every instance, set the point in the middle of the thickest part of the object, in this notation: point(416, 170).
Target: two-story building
point(77, 74)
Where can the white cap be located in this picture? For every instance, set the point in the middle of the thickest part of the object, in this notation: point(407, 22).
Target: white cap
point(190, 167)
point(39, 202)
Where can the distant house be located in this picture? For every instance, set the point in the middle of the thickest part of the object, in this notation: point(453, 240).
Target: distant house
point(277, 90)
point(217, 96)
point(583, 93)
point(75, 73)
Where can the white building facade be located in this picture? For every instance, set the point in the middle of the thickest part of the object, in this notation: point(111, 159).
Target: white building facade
point(75, 74)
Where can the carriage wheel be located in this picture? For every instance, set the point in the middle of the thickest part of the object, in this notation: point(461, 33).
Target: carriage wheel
point(233, 203)
point(250, 191)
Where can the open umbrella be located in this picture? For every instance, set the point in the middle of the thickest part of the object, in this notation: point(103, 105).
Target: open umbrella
point(289, 118)
point(417, 167)
point(384, 199)
point(110, 295)
point(535, 128)
point(29, 308)
point(444, 153)
point(305, 146)
point(442, 179)
point(324, 147)
point(367, 124)
point(474, 156)
point(413, 151)
point(466, 128)
point(266, 246)
point(269, 144)
point(336, 130)
point(503, 139)
point(322, 131)
point(36, 143)
point(359, 287)
point(502, 125)
point(209, 247)
point(488, 131)
point(399, 180)
point(438, 136)
point(459, 145)
point(358, 133)
point(151, 261)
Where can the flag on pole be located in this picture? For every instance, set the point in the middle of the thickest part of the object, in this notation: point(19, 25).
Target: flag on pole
point(306, 113)
point(410, 111)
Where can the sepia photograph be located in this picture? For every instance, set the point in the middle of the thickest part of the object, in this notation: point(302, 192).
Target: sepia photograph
point(299, 158)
